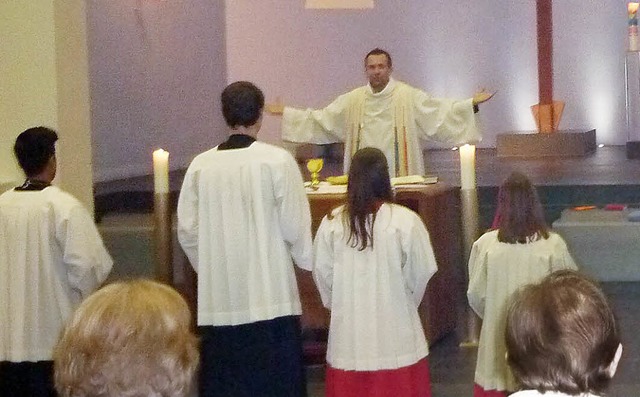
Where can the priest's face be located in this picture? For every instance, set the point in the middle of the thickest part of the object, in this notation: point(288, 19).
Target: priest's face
point(378, 71)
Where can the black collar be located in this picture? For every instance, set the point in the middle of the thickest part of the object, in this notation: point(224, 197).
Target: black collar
point(32, 185)
point(237, 141)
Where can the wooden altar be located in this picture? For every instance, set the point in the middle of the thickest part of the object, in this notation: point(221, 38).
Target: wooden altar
point(439, 207)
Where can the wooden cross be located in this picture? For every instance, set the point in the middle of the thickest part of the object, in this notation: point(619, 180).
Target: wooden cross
point(547, 112)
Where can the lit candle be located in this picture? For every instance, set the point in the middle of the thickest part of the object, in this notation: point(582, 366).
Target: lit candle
point(161, 171)
point(468, 166)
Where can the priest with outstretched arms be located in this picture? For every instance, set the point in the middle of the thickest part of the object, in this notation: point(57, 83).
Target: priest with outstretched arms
point(386, 114)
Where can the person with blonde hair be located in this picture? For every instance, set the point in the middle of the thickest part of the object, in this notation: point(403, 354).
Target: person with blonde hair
point(129, 338)
point(521, 250)
point(562, 338)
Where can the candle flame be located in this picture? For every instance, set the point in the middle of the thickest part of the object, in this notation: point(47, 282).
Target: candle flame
point(632, 7)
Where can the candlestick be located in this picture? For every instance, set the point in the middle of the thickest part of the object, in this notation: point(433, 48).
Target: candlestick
point(161, 171)
point(632, 9)
point(467, 167)
point(470, 226)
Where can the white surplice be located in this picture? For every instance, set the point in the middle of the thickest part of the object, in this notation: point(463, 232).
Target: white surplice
point(496, 271)
point(51, 257)
point(242, 215)
point(394, 120)
point(374, 294)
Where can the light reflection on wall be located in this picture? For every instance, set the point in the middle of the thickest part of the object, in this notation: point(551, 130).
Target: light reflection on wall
point(524, 97)
point(601, 111)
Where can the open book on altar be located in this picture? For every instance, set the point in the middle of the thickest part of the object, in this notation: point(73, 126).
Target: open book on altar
point(414, 179)
point(338, 184)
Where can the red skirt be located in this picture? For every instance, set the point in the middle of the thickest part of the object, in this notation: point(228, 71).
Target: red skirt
point(411, 381)
point(478, 391)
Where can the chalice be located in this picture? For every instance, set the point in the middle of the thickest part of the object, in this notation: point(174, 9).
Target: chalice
point(314, 166)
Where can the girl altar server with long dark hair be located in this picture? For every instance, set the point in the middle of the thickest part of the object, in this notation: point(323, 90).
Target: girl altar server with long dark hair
point(520, 251)
point(372, 262)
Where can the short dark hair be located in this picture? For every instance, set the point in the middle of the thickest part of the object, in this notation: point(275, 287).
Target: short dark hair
point(368, 184)
point(561, 335)
point(378, 51)
point(520, 216)
point(242, 104)
point(33, 149)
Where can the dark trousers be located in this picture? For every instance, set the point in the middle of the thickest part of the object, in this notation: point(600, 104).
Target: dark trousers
point(32, 379)
point(257, 359)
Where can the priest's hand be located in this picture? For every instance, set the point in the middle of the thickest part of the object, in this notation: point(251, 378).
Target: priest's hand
point(275, 108)
point(482, 96)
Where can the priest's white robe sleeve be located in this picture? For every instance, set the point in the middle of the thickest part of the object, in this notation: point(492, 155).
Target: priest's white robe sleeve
point(323, 258)
point(445, 120)
point(420, 263)
point(83, 252)
point(188, 218)
point(477, 292)
point(321, 126)
point(294, 214)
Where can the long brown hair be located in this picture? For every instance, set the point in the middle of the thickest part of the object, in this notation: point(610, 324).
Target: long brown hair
point(369, 186)
point(519, 216)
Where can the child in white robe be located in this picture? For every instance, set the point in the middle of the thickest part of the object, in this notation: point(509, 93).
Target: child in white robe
point(520, 251)
point(372, 262)
point(562, 338)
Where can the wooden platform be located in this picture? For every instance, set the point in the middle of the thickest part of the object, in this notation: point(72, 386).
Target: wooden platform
point(531, 144)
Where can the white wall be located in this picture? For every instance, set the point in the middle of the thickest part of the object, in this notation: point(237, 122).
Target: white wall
point(27, 76)
point(44, 81)
point(450, 48)
point(158, 67)
point(157, 70)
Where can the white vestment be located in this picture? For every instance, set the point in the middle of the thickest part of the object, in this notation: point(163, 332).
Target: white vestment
point(242, 215)
point(496, 271)
point(51, 257)
point(394, 120)
point(374, 294)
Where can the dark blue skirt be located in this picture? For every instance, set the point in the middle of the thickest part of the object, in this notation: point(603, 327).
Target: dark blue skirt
point(257, 359)
point(33, 379)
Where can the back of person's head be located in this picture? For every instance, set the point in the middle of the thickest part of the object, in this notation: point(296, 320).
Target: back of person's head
point(562, 335)
point(520, 217)
point(242, 104)
point(129, 338)
point(33, 149)
point(379, 51)
point(368, 186)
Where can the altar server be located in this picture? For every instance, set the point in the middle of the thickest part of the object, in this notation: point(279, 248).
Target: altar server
point(372, 262)
point(51, 257)
point(562, 338)
point(520, 251)
point(386, 114)
point(243, 220)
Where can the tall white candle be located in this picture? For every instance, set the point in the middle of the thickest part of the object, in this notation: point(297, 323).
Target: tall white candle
point(161, 171)
point(467, 166)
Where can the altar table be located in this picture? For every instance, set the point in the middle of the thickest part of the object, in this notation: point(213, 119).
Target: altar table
point(439, 207)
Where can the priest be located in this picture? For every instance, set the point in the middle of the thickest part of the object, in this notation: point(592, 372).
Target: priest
point(386, 114)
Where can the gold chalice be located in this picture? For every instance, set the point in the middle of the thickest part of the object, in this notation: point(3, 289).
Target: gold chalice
point(314, 166)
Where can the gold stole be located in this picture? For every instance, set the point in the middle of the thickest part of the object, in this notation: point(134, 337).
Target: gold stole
point(401, 104)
